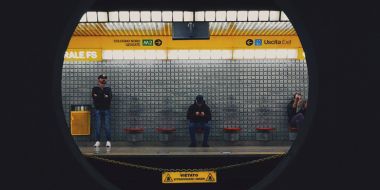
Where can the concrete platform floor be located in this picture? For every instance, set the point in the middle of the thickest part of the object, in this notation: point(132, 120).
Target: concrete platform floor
point(182, 151)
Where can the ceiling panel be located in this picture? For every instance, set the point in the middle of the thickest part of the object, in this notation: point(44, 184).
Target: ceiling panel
point(165, 28)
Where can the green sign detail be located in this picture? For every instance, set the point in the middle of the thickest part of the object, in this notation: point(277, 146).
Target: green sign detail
point(147, 42)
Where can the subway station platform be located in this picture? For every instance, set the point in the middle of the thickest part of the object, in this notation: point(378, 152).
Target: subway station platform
point(117, 150)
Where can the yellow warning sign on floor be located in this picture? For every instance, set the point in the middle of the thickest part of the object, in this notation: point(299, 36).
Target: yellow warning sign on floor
point(189, 177)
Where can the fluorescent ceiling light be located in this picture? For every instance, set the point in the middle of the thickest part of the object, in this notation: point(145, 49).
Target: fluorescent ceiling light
point(84, 18)
point(92, 16)
point(284, 17)
point(156, 16)
point(274, 15)
point(231, 15)
point(134, 16)
point(210, 16)
point(124, 16)
point(221, 15)
point(253, 15)
point(242, 15)
point(200, 16)
point(102, 17)
point(263, 15)
point(145, 16)
point(113, 16)
point(188, 16)
point(167, 16)
point(177, 16)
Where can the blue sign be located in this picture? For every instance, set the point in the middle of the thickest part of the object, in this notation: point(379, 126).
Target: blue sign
point(258, 42)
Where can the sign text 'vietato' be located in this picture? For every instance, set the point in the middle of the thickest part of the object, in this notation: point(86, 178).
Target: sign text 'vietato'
point(189, 177)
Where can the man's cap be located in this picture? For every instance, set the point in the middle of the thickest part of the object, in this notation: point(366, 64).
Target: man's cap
point(199, 99)
point(102, 76)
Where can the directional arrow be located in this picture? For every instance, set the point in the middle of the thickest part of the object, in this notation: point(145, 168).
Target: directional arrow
point(249, 42)
point(158, 42)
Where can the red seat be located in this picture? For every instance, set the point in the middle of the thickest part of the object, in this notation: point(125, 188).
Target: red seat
point(265, 129)
point(165, 130)
point(293, 129)
point(234, 129)
point(134, 130)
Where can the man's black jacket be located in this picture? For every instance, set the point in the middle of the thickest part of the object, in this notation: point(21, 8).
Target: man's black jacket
point(100, 100)
point(195, 108)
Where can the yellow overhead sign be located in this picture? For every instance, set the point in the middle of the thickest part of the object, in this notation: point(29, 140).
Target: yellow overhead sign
point(189, 177)
point(83, 55)
point(166, 42)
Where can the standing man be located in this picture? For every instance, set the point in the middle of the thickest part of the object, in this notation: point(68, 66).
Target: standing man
point(102, 97)
point(296, 110)
point(198, 115)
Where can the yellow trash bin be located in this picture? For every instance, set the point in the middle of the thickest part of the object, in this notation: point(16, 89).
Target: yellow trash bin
point(80, 122)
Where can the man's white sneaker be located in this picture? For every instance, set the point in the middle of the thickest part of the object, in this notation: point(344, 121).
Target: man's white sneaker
point(108, 144)
point(97, 144)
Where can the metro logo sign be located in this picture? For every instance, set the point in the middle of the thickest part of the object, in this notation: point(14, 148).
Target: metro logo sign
point(258, 42)
point(147, 42)
point(83, 55)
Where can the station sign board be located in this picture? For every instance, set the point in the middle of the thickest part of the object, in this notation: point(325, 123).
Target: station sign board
point(83, 55)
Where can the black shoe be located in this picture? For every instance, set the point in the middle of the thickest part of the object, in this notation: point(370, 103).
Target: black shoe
point(192, 145)
point(205, 145)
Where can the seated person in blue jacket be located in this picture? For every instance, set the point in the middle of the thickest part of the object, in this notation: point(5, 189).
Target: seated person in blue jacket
point(296, 110)
point(198, 115)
